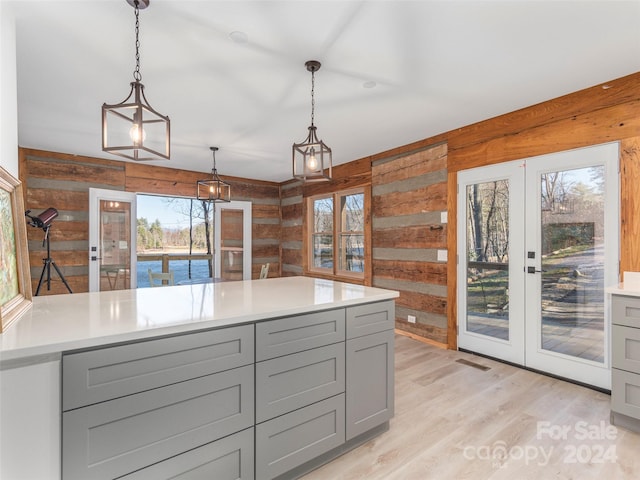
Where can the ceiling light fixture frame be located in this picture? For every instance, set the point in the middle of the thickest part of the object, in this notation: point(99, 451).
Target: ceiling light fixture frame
point(312, 158)
point(214, 189)
point(133, 129)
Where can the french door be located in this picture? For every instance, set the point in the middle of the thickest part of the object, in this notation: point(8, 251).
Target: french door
point(233, 240)
point(537, 243)
point(112, 240)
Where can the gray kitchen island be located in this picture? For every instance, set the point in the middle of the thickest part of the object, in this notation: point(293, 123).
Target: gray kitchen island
point(254, 379)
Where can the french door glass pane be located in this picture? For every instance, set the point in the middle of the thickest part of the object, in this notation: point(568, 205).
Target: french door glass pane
point(488, 259)
point(572, 303)
point(115, 240)
point(231, 243)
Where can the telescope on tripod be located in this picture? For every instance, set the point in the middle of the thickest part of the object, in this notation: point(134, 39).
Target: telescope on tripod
point(43, 221)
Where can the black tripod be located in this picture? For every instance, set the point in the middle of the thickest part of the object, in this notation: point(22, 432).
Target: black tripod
point(47, 265)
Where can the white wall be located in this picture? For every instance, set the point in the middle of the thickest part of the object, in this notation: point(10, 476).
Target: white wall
point(8, 91)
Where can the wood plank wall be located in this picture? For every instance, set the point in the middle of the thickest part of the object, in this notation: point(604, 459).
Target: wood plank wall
point(62, 181)
point(292, 215)
point(409, 195)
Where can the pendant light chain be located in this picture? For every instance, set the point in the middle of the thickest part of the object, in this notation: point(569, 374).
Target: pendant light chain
point(136, 73)
point(313, 100)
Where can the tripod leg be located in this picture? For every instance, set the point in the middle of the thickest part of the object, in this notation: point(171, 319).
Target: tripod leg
point(61, 276)
point(44, 269)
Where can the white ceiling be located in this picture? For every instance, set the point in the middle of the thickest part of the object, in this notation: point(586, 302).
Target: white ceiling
point(437, 66)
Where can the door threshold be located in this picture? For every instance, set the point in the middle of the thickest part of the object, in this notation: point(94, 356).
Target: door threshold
point(541, 372)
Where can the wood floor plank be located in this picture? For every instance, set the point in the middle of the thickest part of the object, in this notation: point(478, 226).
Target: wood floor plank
point(454, 421)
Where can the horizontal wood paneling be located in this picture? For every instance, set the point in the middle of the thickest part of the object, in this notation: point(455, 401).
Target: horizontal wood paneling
point(266, 231)
point(71, 170)
point(431, 198)
point(265, 211)
point(40, 199)
point(291, 256)
point(601, 126)
point(430, 332)
point(425, 272)
point(62, 258)
point(409, 195)
point(62, 181)
point(424, 302)
point(265, 250)
point(412, 236)
point(291, 234)
point(403, 168)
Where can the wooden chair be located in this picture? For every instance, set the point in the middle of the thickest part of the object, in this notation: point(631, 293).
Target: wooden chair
point(161, 278)
point(264, 271)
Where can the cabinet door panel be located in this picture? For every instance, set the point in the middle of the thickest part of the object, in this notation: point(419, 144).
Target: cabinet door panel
point(626, 348)
point(104, 374)
point(287, 383)
point(625, 311)
point(230, 458)
point(370, 382)
point(625, 393)
point(283, 336)
point(114, 438)
point(370, 318)
point(293, 439)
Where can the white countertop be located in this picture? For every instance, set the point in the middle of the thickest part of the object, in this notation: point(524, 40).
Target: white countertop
point(57, 323)
point(621, 290)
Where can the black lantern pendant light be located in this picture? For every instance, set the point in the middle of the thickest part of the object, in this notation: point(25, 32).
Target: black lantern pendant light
point(214, 190)
point(132, 128)
point(312, 157)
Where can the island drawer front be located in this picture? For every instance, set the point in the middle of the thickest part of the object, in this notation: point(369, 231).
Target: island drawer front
point(370, 318)
point(625, 393)
point(283, 336)
point(625, 311)
point(293, 439)
point(287, 383)
point(230, 458)
point(114, 438)
point(626, 348)
point(107, 373)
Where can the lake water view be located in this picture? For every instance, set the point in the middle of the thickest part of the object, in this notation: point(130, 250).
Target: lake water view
point(199, 269)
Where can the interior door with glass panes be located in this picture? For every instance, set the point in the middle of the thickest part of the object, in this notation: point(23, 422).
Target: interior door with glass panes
point(112, 240)
point(233, 240)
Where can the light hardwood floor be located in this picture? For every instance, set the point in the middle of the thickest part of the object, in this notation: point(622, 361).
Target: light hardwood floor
point(455, 421)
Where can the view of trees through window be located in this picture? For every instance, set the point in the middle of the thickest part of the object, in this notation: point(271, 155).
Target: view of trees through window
point(174, 226)
point(345, 252)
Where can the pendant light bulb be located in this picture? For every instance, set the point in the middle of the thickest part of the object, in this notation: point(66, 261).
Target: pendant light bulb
point(134, 134)
point(312, 163)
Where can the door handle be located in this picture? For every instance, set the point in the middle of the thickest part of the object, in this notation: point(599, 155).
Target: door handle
point(533, 270)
